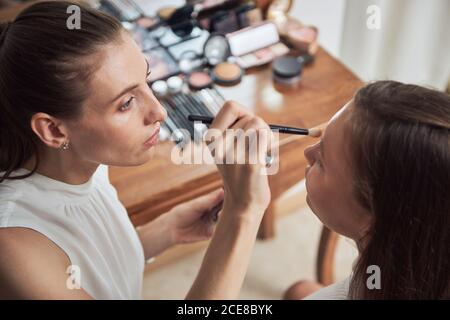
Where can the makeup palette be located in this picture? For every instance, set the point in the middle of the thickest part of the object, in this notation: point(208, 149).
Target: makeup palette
point(256, 45)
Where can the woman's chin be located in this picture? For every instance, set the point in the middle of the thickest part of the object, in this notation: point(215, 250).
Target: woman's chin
point(146, 156)
point(137, 160)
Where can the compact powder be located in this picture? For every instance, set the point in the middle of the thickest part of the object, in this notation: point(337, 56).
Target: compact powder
point(227, 73)
point(199, 80)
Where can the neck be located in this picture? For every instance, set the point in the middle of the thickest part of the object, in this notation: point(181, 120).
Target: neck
point(62, 165)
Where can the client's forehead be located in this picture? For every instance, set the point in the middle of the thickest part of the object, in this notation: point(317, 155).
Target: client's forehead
point(335, 144)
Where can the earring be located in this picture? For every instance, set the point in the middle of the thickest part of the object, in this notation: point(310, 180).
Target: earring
point(65, 145)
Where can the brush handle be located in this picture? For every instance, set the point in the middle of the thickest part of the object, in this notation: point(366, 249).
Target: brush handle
point(273, 127)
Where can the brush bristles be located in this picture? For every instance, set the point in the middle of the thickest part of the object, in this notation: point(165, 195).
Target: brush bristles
point(314, 132)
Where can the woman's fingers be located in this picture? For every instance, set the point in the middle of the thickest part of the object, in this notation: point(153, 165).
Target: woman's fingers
point(229, 114)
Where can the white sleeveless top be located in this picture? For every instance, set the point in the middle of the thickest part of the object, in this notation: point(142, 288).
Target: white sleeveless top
point(336, 291)
point(88, 222)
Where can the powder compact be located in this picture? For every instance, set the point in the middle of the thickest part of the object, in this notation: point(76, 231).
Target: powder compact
point(227, 74)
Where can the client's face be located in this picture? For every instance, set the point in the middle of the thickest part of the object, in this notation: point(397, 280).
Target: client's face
point(121, 114)
point(329, 180)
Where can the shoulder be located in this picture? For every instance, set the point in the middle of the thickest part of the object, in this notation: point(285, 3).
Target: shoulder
point(336, 291)
point(33, 267)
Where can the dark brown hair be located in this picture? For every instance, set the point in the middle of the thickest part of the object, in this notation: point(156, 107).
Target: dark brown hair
point(400, 141)
point(43, 69)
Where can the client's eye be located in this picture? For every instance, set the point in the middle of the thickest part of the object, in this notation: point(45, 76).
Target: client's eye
point(126, 105)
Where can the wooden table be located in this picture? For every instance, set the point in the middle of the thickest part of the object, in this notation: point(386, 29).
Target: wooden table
point(152, 189)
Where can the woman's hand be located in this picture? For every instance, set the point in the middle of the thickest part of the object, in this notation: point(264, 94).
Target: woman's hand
point(245, 181)
point(247, 195)
point(195, 220)
point(188, 222)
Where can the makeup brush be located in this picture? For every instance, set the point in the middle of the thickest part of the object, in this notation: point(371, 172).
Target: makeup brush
point(314, 132)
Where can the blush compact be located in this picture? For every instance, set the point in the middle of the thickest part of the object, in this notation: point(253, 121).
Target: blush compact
point(198, 80)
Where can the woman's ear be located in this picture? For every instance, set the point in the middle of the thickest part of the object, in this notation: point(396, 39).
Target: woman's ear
point(50, 130)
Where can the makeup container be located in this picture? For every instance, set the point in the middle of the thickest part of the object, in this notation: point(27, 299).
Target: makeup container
point(216, 49)
point(194, 43)
point(287, 70)
point(198, 80)
point(256, 45)
point(227, 74)
point(303, 39)
point(160, 88)
point(174, 84)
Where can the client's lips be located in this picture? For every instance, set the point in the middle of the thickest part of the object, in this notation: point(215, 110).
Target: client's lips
point(153, 138)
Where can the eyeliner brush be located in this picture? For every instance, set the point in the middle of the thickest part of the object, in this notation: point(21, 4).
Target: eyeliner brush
point(314, 132)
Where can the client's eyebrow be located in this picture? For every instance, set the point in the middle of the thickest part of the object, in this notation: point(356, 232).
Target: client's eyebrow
point(134, 86)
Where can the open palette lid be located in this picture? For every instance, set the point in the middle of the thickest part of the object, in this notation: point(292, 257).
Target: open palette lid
point(253, 38)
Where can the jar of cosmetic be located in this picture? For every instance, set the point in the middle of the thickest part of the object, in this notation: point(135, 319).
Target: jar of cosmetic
point(287, 70)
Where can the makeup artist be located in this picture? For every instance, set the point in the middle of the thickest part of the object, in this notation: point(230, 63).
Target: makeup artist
point(72, 102)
